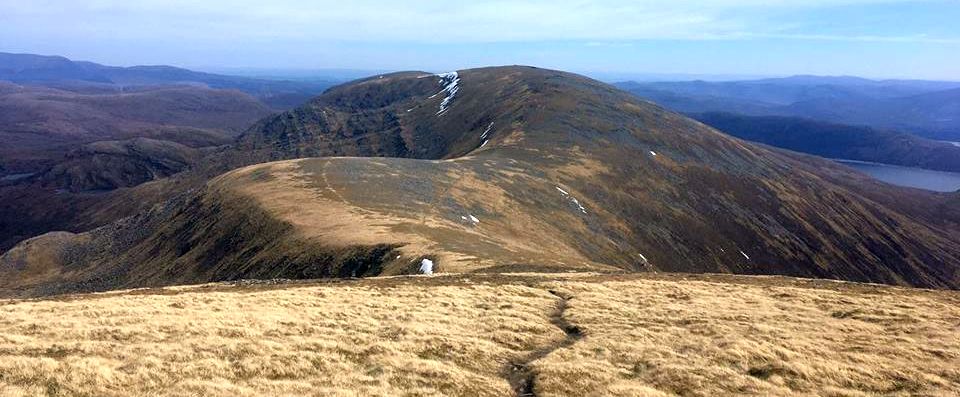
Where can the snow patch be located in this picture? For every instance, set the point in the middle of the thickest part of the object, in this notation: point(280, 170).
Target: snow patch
point(487, 131)
point(572, 199)
point(470, 219)
point(451, 85)
point(583, 210)
point(426, 266)
point(652, 153)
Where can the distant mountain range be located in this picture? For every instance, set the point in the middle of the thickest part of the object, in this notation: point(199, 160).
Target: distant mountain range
point(926, 108)
point(39, 124)
point(838, 141)
point(63, 73)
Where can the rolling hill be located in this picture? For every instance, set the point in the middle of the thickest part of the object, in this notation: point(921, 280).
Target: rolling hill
point(838, 141)
point(927, 108)
point(87, 77)
point(38, 125)
point(502, 169)
point(59, 150)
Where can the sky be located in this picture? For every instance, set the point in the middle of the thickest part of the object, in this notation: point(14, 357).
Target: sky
point(869, 38)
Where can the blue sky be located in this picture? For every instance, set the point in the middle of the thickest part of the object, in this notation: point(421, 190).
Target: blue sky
point(871, 38)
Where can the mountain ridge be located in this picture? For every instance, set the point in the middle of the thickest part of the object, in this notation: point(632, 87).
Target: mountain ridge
point(64, 73)
point(520, 167)
point(838, 141)
point(925, 108)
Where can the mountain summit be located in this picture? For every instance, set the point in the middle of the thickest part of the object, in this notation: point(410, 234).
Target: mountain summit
point(504, 169)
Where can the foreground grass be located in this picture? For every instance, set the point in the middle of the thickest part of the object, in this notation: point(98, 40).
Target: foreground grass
point(695, 338)
point(460, 335)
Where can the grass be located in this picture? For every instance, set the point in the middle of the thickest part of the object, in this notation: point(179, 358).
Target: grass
point(695, 338)
point(458, 335)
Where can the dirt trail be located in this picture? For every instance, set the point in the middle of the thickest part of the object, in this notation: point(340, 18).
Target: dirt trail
point(519, 373)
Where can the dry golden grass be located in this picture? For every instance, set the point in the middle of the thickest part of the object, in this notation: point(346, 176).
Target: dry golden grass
point(695, 338)
point(456, 335)
point(326, 200)
point(322, 340)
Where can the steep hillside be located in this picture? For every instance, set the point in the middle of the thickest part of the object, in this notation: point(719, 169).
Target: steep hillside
point(512, 168)
point(838, 141)
point(488, 335)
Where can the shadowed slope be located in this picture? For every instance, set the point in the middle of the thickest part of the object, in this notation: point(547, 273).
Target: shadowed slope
point(60, 151)
point(543, 168)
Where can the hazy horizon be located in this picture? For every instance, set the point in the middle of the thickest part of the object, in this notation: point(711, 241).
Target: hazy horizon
point(879, 39)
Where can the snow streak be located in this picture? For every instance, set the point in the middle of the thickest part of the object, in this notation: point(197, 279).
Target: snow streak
point(572, 199)
point(451, 85)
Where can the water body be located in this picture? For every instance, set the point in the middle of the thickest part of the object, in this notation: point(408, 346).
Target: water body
point(15, 177)
point(938, 181)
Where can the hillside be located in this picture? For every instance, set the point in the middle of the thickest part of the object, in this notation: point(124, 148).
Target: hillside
point(838, 141)
point(86, 77)
point(509, 168)
point(928, 108)
point(109, 165)
point(488, 335)
point(60, 150)
point(37, 125)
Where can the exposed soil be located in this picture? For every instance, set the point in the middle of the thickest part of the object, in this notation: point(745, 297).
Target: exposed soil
point(520, 374)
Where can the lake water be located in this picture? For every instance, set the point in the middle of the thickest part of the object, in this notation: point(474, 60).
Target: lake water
point(15, 177)
point(906, 176)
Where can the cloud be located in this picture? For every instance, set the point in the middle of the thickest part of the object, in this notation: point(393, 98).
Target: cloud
point(919, 38)
point(611, 21)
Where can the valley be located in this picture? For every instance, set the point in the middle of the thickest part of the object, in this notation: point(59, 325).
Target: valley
point(937, 181)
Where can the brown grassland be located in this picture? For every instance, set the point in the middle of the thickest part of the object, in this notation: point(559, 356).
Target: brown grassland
point(488, 335)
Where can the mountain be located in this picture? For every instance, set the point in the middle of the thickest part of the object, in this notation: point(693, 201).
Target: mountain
point(60, 150)
point(60, 72)
point(37, 124)
point(109, 165)
point(838, 141)
point(503, 169)
point(927, 108)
